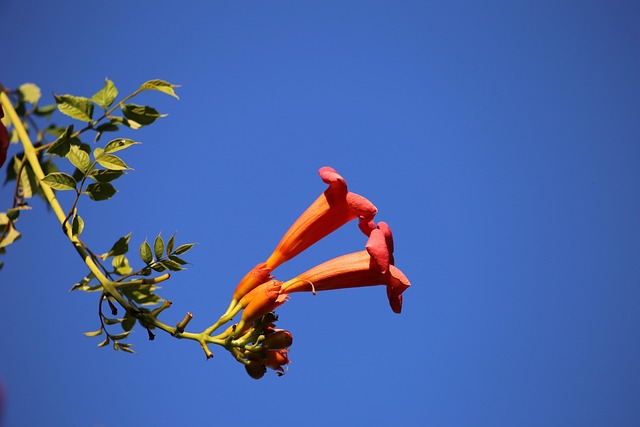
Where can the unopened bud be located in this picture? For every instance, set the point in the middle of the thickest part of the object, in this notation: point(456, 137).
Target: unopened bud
point(255, 369)
point(277, 340)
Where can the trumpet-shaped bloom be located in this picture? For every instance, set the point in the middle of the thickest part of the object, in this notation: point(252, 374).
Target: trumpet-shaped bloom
point(257, 276)
point(370, 267)
point(354, 270)
point(261, 300)
point(334, 208)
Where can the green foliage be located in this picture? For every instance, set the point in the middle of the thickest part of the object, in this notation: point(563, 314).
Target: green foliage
point(100, 191)
point(77, 225)
point(62, 145)
point(29, 93)
point(118, 144)
point(105, 96)
point(101, 175)
point(145, 253)
point(60, 181)
point(79, 158)
point(140, 115)
point(120, 247)
point(92, 171)
point(76, 107)
point(160, 85)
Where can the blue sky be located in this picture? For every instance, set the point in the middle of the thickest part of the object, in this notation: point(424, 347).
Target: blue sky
point(500, 140)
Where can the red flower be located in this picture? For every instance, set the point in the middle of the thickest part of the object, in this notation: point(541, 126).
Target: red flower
point(257, 276)
point(260, 301)
point(370, 267)
point(277, 360)
point(334, 208)
point(4, 140)
point(277, 339)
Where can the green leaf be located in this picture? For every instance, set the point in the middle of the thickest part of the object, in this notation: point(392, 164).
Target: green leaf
point(120, 247)
point(118, 144)
point(83, 284)
point(111, 162)
point(128, 322)
point(146, 271)
point(105, 127)
point(158, 267)
point(145, 252)
point(79, 158)
point(109, 321)
point(184, 248)
point(9, 233)
point(158, 246)
point(105, 96)
point(22, 169)
point(121, 265)
point(142, 294)
point(77, 107)
point(61, 146)
point(104, 343)
point(125, 348)
point(77, 225)
point(178, 260)
point(14, 213)
point(97, 153)
point(45, 111)
point(60, 181)
point(171, 243)
point(141, 114)
point(121, 336)
point(160, 85)
point(105, 175)
point(171, 265)
point(99, 191)
point(30, 93)
point(94, 333)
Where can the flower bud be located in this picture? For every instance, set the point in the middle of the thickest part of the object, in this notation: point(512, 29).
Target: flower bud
point(277, 340)
point(255, 369)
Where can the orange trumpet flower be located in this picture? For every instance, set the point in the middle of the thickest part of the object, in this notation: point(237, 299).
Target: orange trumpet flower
point(334, 208)
point(370, 267)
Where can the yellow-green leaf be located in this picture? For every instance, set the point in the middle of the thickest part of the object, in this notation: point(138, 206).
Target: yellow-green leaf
point(77, 226)
point(30, 93)
point(60, 181)
point(111, 162)
point(77, 107)
point(105, 96)
point(160, 85)
point(145, 252)
point(118, 144)
point(79, 158)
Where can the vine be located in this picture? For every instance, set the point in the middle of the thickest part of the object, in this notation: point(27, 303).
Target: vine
point(129, 294)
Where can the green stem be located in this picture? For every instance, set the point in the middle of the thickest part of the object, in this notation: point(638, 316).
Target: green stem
point(111, 287)
point(32, 158)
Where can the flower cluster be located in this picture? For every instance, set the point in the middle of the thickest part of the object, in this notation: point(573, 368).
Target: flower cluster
point(258, 293)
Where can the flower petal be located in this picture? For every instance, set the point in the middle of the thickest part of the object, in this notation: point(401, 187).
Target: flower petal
point(377, 248)
point(255, 277)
